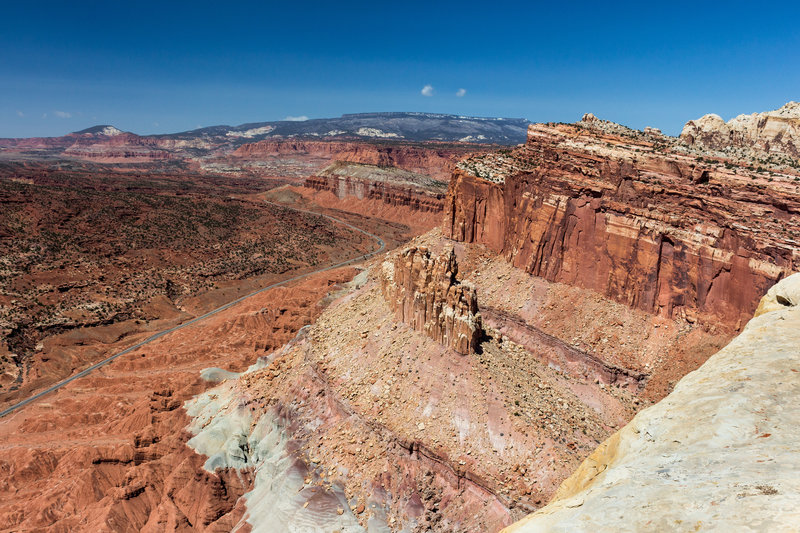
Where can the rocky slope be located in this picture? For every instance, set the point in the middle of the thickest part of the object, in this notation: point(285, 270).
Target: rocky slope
point(373, 424)
point(771, 133)
point(721, 452)
point(367, 421)
point(423, 292)
point(623, 215)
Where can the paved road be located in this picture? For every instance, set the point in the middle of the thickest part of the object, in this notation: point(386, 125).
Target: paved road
point(82, 373)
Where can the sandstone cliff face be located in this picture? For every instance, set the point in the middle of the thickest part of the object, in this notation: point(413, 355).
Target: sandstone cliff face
point(117, 146)
point(391, 186)
point(720, 452)
point(771, 132)
point(434, 161)
point(109, 146)
point(423, 292)
point(657, 231)
point(387, 193)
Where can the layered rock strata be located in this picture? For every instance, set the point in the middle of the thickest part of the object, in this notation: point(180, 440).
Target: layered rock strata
point(391, 186)
point(107, 146)
point(116, 146)
point(423, 292)
point(771, 132)
point(721, 452)
point(434, 160)
point(619, 214)
point(359, 418)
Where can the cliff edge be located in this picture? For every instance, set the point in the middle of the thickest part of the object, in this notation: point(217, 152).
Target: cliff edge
point(595, 206)
point(720, 452)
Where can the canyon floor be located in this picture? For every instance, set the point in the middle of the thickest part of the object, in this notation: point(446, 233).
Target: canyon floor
point(109, 452)
point(131, 408)
point(151, 247)
point(94, 262)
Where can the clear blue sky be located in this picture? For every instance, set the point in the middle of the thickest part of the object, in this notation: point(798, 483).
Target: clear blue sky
point(153, 67)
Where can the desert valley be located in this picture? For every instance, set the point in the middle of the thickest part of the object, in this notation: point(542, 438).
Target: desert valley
point(402, 322)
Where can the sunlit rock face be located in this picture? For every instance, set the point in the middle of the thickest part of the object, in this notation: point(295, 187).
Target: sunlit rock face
point(433, 161)
point(720, 452)
point(392, 186)
point(424, 293)
point(623, 215)
point(769, 133)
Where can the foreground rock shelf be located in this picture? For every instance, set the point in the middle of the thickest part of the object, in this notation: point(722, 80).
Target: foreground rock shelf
point(721, 452)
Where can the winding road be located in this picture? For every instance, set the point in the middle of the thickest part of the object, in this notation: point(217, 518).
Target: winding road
point(87, 371)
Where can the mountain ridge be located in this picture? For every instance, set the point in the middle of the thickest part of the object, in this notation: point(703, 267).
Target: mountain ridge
point(395, 125)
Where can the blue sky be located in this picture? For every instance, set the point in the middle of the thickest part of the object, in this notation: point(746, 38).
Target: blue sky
point(154, 67)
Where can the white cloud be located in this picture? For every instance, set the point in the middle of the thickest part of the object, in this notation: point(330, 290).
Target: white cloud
point(44, 115)
point(62, 114)
point(20, 114)
point(301, 118)
point(427, 90)
point(461, 92)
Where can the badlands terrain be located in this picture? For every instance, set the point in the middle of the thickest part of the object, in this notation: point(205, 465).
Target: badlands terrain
point(490, 364)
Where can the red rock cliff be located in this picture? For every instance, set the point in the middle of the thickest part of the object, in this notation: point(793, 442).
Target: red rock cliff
point(659, 232)
point(424, 293)
point(385, 192)
point(433, 160)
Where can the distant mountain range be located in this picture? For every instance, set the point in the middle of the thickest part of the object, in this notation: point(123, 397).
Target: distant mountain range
point(397, 126)
point(416, 127)
point(108, 144)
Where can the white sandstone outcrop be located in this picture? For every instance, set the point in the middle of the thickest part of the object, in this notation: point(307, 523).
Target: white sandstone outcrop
point(771, 132)
point(226, 430)
point(720, 453)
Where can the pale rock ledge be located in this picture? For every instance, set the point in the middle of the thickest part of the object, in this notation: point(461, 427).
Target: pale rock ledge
point(720, 453)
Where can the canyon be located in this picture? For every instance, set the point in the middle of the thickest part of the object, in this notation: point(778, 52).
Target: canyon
point(96, 230)
point(644, 208)
point(541, 327)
